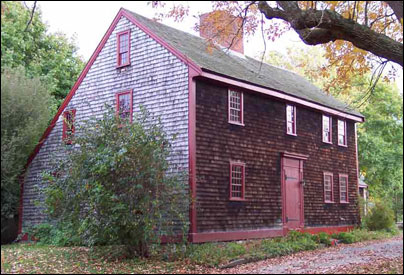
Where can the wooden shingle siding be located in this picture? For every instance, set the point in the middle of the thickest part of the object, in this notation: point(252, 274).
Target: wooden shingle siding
point(160, 83)
point(259, 145)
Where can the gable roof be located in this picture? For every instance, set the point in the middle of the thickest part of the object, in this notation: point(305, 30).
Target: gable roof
point(242, 68)
point(191, 50)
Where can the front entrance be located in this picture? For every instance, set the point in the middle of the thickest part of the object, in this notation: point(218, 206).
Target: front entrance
point(293, 199)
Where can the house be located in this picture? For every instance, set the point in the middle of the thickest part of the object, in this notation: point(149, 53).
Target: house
point(266, 151)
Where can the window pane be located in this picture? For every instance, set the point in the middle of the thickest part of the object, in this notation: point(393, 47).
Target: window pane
point(124, 58)
point(328, 188)
point(341, 139)
point(235, 106)
point(123, 51)
point(291, 118)
point(341, 126)
point(68, 128)
point(290, 127)
point(326, 129)
point(344, 189)
point(326, 136)
point(237, 181)
point(341, 132)
point(124, 106)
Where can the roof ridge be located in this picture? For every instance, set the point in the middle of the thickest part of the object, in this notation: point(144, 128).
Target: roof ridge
point(162, 24)
point(245, 69)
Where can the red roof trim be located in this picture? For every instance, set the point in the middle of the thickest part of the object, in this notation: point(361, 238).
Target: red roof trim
point(232, 82)
point(75, 87)
point(83, 74)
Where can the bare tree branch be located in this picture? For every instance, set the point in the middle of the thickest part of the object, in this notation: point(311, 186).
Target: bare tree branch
point(322, 26)
point(32, 16)
point(397, 7)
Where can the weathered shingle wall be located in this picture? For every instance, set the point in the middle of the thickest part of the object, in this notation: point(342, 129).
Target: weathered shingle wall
point(259, 145)
point(160, 83)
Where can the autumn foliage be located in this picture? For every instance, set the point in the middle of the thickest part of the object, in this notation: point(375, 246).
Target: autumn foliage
point(359, 37)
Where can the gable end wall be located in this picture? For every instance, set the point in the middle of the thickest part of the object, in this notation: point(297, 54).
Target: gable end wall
point(160, 83)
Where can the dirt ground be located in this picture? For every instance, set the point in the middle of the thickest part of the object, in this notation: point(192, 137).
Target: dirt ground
point(369, 257)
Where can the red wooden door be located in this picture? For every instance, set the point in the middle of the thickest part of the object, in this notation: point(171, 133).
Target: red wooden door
point(293, 193)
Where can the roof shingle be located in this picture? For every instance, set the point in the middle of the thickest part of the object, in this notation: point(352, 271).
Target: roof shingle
point(242, 68)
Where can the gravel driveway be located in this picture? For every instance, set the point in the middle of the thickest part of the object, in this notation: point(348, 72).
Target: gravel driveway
point(327, 260)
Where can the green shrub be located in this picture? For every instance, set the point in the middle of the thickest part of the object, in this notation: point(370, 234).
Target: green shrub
point(294, 242)
point(119, 172)
point(346, 237)
point(212, 254)
point(381, 217)
point(323, 238)
point(26, 108)
point(361, 235)
point(48, 234)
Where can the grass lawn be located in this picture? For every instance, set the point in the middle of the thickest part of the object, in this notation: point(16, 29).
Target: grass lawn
point(36, 258)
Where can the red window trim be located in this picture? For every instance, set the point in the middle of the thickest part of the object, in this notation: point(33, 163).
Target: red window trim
point(241, 108)
point(294, 120)
point(130, 92)
point(330, 125)
point(65, 126)
point(241, 164)
point(345, 134)
point(332, 187)
point(118, 58)
point(347, 189)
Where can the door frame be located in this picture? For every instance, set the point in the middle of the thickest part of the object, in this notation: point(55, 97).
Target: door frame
point(301, 158)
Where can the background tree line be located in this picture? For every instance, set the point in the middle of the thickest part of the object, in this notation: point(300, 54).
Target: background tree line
point(38, 68)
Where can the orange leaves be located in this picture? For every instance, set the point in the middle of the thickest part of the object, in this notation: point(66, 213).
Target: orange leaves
point(347, 59)
point(178, 12)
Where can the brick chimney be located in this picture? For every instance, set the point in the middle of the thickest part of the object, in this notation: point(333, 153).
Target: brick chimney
point(224, 29)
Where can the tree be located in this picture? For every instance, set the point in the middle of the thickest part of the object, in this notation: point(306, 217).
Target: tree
point(26, 42)
point(116, 185)
point(381, 145)
point(358, 36)
point(26, 108)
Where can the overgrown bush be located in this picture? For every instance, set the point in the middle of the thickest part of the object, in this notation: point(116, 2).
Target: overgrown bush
point(381, 217)
point(323, 238)
point(48, 234)
point(294, 242)
point(116, 185)
point(213, 254)
point(346, 237)
point(26, 108)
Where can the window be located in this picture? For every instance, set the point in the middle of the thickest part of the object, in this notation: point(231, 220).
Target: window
point(327, 129)
point(328, 188)
point(291, 120)
point(124, 105)
point(342, 138)
point(68, 126)
point(237, 181)
point(343, 188)
point(123, 48)
point(236, 105)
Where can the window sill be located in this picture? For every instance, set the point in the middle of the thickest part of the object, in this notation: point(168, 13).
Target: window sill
point(326, 142)
point(236, 123)
point(235, 199)
point(343, 145)
point(329, 202)
point(122, 66)
point(344, 202)
point(290, 134)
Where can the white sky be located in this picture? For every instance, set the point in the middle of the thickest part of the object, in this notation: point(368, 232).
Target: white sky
point(89, 20)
